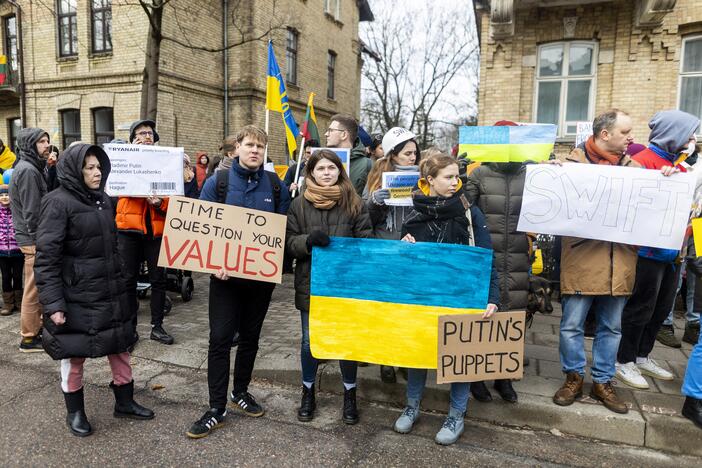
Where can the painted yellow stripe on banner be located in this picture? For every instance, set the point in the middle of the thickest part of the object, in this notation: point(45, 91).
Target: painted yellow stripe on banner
point(507, 152)
point(377, 332)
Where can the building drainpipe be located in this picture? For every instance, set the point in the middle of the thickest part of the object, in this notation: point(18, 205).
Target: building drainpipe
point(225, 66)
point(20, 59)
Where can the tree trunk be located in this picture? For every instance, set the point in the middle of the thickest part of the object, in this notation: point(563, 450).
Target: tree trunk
point(149, 86)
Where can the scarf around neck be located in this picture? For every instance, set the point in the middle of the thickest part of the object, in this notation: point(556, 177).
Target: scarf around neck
point(322, 198)
point(598, 156)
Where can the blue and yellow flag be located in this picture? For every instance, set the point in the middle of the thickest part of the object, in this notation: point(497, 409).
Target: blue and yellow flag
point(277, 99)
point(506, 143)
point(379, 301)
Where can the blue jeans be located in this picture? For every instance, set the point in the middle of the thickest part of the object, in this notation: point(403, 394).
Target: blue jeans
point(309, 363)
point(692, 314)
point(692, 385)
point(608, 312)
point(416, 381)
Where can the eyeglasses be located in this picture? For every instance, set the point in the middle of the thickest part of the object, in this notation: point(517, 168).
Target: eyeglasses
point(146, 134)
point(335, 130)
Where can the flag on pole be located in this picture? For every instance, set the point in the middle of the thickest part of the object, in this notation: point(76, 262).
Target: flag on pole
point(3, 69)
point(309, 127)
point(277, 99)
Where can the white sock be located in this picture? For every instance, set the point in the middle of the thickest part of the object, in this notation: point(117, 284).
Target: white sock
point(349, 386)
point(308, 384)
point(641, 360)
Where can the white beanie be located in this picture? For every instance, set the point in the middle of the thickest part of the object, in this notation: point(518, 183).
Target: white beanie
point(394, 137)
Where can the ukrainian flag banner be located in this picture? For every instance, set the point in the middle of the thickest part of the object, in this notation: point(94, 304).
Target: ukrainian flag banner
point(507, 144)
point(379, 301)
point(277, 99)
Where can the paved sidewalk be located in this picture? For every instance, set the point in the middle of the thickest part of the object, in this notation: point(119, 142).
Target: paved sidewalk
point(654, 420)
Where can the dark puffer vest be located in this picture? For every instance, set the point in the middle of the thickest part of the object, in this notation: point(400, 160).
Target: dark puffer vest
point(77, 266)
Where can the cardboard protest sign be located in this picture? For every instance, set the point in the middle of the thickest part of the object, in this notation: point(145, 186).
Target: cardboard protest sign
point(473, 349)
point(343, 153)
point(583, 131)
point(533, 142)
point(144, 170)
point(617, 204)
point(400, 185)
point(205, 236)
point(389, 315)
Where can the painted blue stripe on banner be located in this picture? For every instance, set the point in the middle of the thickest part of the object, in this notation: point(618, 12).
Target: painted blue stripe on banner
point(445, 275)
point(527, 134)
point(483, 135)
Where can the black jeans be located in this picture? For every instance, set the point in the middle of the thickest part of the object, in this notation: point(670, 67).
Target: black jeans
point(234, 304)
point(647, 308)
point(11, 269)
point(134, 248)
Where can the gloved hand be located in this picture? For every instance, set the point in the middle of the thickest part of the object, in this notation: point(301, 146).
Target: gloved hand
point(379, 196)
point(317, 238)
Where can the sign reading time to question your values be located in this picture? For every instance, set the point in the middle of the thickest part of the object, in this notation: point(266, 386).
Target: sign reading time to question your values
point(144, 170)
point(207, 237)
point(617, 204)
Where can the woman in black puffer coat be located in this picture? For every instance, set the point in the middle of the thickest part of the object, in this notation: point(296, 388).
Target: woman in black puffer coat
point(77, 269)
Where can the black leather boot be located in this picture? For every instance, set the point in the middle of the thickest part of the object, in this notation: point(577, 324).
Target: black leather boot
point(125, 406)
point(350, 409)
point(75, 418)
point(504, 388)
point(307, 406)
point(480, 392)
point(692, 410)
point(387, 374)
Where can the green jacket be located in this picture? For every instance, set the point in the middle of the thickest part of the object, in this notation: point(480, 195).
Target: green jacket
point(360, 167)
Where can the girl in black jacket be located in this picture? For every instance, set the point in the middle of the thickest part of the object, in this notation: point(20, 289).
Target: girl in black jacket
point(443, 215)
point(329, 206)
point(77, 269)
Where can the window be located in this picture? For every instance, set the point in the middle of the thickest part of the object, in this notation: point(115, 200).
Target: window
point(68, 28)
point(331, 65)
point(291, 57)
point(101, 13)
point(690, 87)
point(103, 125)
point(14, 126)
point(565, 85)
point(333, 8)
point(70, 124)
point(10, 28)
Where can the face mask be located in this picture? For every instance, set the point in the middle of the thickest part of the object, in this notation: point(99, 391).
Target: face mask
point(690, 148)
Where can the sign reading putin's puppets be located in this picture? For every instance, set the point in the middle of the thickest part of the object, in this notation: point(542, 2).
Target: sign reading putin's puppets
point(208, 237)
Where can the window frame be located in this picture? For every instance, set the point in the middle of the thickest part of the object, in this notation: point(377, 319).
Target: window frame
point(64, 135)
point(103, 12)
point(72, 27)
point(331, 74)
point(335, 12)
point(110, 135)
point(564, 80)
point(12, 136)
point(681, 73)
point(291, 56)
point(9, 41)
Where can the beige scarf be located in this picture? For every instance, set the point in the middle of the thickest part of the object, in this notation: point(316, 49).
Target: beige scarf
point(323, 198)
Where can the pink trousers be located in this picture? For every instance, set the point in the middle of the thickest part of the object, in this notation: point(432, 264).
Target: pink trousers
point(72, 371)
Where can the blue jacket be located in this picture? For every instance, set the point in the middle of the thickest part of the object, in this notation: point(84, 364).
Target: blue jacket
point(248, 189)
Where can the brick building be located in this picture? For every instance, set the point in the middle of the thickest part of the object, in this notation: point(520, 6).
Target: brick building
point(76, 67)
point(563, 61)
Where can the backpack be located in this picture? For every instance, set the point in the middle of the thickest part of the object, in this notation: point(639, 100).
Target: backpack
point(223, 184)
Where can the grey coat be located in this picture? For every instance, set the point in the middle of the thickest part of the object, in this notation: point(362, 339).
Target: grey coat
point(27, 186)
point(303, 218)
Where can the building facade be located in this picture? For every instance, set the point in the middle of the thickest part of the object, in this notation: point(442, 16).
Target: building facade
point(76, 67)
point(564, 61)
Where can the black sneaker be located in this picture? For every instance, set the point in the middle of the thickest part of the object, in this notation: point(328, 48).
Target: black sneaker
point(246, 403)
point(31, 345)
point(211, 420)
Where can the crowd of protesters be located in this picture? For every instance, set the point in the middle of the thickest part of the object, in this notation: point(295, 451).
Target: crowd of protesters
point(70, 257)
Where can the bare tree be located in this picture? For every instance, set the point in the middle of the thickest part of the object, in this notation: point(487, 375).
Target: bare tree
point(423, 55)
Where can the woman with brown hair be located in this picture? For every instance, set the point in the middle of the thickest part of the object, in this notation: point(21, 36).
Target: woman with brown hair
point(329, 206)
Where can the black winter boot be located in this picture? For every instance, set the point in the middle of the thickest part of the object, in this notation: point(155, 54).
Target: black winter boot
point(692, 410)
point(480, 392)
point(504, 388)
point(125, 406)
point(307, 405)
point(350, 409)
point(75, 418)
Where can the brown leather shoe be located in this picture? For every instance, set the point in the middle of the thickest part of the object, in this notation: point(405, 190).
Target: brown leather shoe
point(571, 389)
point(605, 393)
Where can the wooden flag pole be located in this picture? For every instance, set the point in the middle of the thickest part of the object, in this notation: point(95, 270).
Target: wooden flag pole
point(300, 153)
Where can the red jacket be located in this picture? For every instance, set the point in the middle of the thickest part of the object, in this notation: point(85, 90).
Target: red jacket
point(650, 160)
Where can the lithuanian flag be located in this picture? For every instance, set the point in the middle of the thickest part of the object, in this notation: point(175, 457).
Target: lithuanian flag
point(309, 127)
point(507, 144)
point(3, 69)
point(277, 99)
point(379, 301)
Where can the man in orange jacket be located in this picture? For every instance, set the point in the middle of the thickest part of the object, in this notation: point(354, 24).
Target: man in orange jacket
point(140, 228)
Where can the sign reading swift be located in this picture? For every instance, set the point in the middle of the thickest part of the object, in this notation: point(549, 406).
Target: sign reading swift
point(617, 204)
